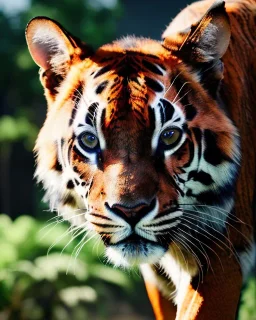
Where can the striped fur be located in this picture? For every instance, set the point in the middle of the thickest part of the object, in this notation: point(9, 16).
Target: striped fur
point(179, 210)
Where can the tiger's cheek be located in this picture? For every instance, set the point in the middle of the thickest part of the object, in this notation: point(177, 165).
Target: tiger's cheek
point(83, 176)
point(97, 195)
point(167, 195)
point(83, 169)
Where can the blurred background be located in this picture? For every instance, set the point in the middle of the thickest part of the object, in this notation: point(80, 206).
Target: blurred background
point(42, 273)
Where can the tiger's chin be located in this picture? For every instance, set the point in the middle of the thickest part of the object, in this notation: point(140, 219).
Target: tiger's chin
point(130, 253)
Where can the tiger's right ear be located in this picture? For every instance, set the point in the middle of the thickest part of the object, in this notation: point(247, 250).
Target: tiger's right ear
point(203, 44)
point(204, 41)
point(53, 49)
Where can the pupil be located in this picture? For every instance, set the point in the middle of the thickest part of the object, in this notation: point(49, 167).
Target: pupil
point(168, 134)
point(90, 138)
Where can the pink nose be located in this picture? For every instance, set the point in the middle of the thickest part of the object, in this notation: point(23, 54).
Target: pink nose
point(129, 212)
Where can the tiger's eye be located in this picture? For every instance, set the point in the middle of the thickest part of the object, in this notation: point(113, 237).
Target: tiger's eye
point(89, 140)
point(170, 136)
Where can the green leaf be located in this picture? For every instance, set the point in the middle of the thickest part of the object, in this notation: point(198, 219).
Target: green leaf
point(73, 295)
point(50, 266)
point(9, 254)
point(111, 275)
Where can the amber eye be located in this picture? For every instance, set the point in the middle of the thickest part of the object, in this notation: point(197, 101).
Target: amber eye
point(170, 136)
point(89, 140)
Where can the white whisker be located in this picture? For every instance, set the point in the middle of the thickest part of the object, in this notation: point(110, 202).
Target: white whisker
point(174, 100)
point(231, 248)
point(172, 83)
point(212, 218)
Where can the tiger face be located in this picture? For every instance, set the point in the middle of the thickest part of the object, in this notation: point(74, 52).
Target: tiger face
point(136, 142)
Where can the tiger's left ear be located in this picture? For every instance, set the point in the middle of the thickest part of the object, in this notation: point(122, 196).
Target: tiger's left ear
point(54, 50)
point(205, 41)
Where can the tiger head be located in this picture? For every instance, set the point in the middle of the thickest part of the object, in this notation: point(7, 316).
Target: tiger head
point(136, 142)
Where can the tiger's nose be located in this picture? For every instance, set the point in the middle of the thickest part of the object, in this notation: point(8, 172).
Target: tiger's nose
point(132, 213)
point(129, 212)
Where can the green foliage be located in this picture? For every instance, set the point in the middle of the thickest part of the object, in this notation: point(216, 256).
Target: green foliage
point(248, 302)
point(17, 129)
point(34, 285)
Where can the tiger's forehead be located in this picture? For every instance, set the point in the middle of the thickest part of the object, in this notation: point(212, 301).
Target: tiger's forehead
point(121, 85)
point(127, 81)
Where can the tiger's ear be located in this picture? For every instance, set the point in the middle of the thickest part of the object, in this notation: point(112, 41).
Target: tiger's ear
point(202, 45)
point(205, 41)
point(53, 49)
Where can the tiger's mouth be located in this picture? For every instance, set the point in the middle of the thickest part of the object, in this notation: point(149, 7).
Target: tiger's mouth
point(135, 250)
point(143, 238)
point(136, 240)
point(133, 239)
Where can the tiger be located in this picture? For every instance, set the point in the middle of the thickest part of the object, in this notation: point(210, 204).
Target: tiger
point(150, 146)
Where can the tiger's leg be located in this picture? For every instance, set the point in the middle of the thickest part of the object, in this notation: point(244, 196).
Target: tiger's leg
point(156, 284)
point(217, 297)
point(163, 309)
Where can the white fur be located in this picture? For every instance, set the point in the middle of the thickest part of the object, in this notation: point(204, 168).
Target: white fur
point(53, 42)
point(149, 275)
point(120, 256)
point(180, 275)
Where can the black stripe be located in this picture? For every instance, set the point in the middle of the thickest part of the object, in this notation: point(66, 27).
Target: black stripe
point(105, 233)
point(215, 196)
point(162, 223)
point(105, 225)
point(190, 112)
point(105, 59)
point(168, 110)
point(152, 118)
point(180, 179)
point(103, 70)
point(135, 79)
point(90, 117)
point(70, 184)
point(101, 87)
point(201, 176)
point(154, 85)
point(213, 154)
point(219, 196)
point(191, 153)
point(150, 66)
